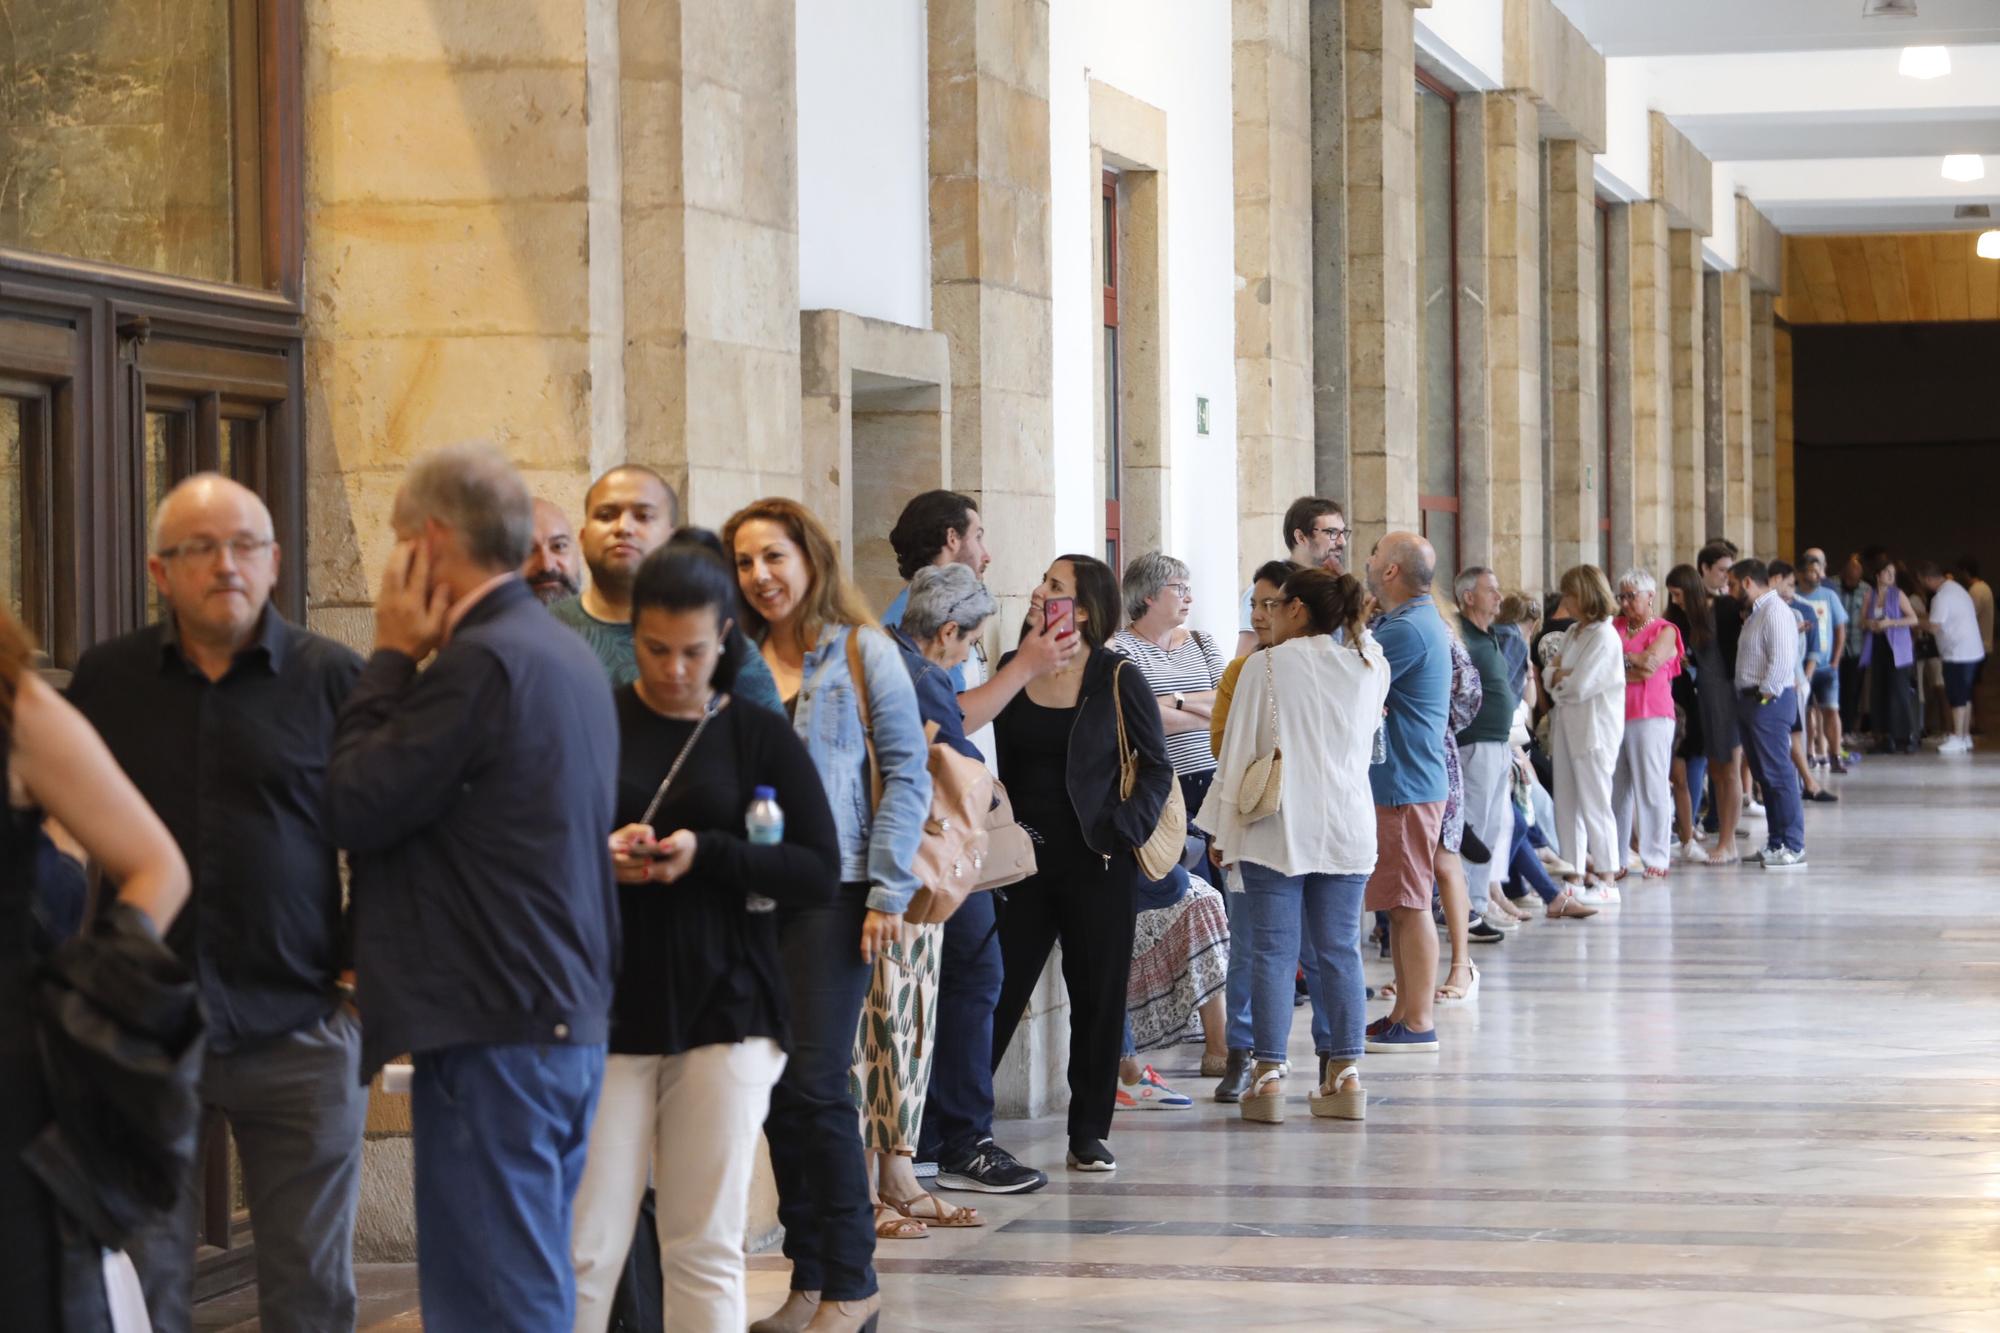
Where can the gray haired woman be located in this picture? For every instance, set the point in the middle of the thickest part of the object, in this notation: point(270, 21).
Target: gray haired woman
point(1182, 666)
point(1642, 791)
point(947, 606)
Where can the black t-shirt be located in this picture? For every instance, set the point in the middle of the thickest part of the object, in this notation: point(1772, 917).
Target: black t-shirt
point(700, 967)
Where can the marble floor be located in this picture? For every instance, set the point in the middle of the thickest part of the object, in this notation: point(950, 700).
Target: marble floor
point(1741, 1101)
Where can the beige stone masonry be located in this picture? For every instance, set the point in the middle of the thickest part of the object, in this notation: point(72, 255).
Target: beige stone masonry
point(1650, 312)
point(1382, 327)
point(875, 428)
point(1783, 437)
point(1274, 347)
point(1764, 427)
point(1575, 352)
point(1514, 332)
point(1683, 179)
point(1760, 248)
point(990, 283)
point(1475, 371)
point(1547, 55)
point(1687, 373)
point(1737, 520)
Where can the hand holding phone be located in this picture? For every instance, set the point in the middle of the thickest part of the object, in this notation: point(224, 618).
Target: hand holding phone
point(1057, 610)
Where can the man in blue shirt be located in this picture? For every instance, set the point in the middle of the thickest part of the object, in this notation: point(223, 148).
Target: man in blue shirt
point(1410, 786)
point(1829, 609)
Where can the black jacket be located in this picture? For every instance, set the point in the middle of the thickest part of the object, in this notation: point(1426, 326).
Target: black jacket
point(477, 796)
point(1112, 825)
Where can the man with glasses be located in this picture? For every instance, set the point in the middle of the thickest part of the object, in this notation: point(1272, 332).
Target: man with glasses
point(1316, 535)
point(223, 716)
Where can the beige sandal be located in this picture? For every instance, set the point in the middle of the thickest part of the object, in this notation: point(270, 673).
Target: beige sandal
point(1265, 1101)
point(932, 1211)
point(1343, 1097)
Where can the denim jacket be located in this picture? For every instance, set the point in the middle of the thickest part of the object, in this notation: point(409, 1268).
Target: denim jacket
point(876, 850)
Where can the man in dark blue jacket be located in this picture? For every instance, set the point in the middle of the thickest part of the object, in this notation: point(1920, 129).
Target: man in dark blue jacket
point(477, 793)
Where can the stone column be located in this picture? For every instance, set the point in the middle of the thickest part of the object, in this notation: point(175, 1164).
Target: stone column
point(1327, 72)
point(1687, 322)
point(1763, 427)
point(1575, 344)
point(1782, 430)
point(1715, 412)
point(1475, 372)
point(709, 111)
point(1514, 331)
point(1274, 262)
point(1651, 311)
point(990, 282)
point(1738, 521)
point(1382, 330)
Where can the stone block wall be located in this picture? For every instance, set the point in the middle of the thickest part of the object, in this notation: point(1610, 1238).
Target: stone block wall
point(1514, 331)
point(1788, 543)
point(1651, 311)
point(1763, 480)
point(1575, 357)
point(1737, 519)
point(1688, 369)
point(1547, 54)
point(1683, 180)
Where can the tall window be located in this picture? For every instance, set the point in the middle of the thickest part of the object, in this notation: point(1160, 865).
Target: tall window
point(1437, 314)
point(149, 282)
point(1113, 463)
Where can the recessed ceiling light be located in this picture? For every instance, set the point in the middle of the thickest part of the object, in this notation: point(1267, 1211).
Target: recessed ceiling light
point(1964, 167)
point(1924, 62)
point(1888, 9)
point(1989, 245)
point(1963, 212)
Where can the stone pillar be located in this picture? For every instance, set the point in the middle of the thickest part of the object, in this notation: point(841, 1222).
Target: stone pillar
point(990, 282)
point(1274, 261)
point(1687, 322)
point(1763, 427)
point(1650, 281)
point(709, 146)
point(1738, 520)
point(1782, 431)
point(1514, 331)
point(1575, 344)
point(1327, 72)
point(1475, 371)
point(1715, 412)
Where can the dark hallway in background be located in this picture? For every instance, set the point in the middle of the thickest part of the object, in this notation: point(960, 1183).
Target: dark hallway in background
point(1898, 439)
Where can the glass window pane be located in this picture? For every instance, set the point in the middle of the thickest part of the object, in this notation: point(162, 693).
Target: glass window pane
point(1437, 399)
point(120, 136)
point(1111, 414)
point(12, 426)
point(165, 436)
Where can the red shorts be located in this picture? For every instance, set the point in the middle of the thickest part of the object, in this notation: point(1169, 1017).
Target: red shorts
point(1406, 844)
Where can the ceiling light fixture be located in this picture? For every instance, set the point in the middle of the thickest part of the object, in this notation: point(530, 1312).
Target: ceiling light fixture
point(1964, 167)
point(1989, 245)
point(1924, 62)
point(1888, 9)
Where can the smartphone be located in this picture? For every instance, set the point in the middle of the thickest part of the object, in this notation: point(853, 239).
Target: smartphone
point(1058, 609)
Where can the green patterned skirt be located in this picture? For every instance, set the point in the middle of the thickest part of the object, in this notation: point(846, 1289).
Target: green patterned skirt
point(894, 1044)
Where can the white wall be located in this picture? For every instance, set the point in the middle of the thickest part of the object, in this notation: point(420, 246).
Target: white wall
point(864, 173)
point(1720, 245)
point(1468, 37)
point(1180, 64)
point(1627, 159)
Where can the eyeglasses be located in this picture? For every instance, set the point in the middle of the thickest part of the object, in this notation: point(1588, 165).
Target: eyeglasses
point(201, 550)
point(1337, 534)
point(1178, 589)
point(1268, 604)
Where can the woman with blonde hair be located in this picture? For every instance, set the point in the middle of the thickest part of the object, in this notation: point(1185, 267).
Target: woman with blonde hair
point(851, 701)
point(1586, 680)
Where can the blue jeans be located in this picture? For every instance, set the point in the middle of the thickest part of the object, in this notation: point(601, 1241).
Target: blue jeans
point(500, 1133)
point(814, 1129)
point(1324, 913)
point(1697, 771)
point(959, 1111)
point(1524, 867)
point(1237, 1032)
point(1767, 740)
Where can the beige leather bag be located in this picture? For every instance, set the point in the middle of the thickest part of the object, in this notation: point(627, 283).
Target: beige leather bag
point(1161, 852)
point(1257, 796)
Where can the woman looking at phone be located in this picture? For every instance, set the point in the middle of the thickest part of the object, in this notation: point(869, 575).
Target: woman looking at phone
point(804, 614)
point(699, 1017)
point(1058, 750)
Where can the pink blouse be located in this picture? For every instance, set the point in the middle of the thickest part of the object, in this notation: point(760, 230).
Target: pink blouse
point(1654, 696)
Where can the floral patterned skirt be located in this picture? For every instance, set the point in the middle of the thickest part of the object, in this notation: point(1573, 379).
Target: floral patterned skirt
point(1180, 958)
point(896, 1040)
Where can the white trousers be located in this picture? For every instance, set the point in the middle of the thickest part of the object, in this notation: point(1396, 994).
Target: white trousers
point(1585, 829)
point(695, 1120)
point(1489, 812)
point(1643, 786)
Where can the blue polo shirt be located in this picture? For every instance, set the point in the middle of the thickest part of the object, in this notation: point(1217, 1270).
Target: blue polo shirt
point(1417, 645)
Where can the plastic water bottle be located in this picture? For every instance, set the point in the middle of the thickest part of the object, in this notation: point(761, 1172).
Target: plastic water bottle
point(765, 823)
point(1381, 755)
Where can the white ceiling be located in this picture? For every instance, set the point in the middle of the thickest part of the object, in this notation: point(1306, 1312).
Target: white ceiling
point(1707, 27)
point(1800, 105)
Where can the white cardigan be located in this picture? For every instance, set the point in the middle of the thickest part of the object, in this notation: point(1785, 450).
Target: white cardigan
point(1590, 702)
point(1329, 707)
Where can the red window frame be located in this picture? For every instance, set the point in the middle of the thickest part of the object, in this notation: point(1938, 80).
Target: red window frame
point(1114, 462)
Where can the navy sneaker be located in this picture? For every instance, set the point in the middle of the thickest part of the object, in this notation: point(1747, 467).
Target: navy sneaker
point(1396, 1039)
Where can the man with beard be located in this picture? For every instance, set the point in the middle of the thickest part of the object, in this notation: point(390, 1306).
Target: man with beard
point(553, 568)
point(628, 513)
point(1316, 538)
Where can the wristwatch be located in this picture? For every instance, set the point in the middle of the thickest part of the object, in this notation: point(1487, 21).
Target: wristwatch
point(1180, 700)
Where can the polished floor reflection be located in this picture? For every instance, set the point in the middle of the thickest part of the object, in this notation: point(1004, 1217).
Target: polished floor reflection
point(1745, 1100)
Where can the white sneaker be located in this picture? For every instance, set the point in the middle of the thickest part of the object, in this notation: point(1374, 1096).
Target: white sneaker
point(1694, 853)
point(1955, 745)
point(1784, 858)
point(1756, 858)
point(1500, 921)
point(1596, 895)
point(1752, 808)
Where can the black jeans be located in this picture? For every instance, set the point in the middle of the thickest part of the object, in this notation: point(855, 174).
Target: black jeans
point(814, 1128)
point(1090, 908)
point(1851, 678)
point(1892, 699)
point(959, 1111)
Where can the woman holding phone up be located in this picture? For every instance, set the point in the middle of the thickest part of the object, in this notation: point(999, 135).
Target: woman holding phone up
point(1058, 749)
point(699, 1019)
